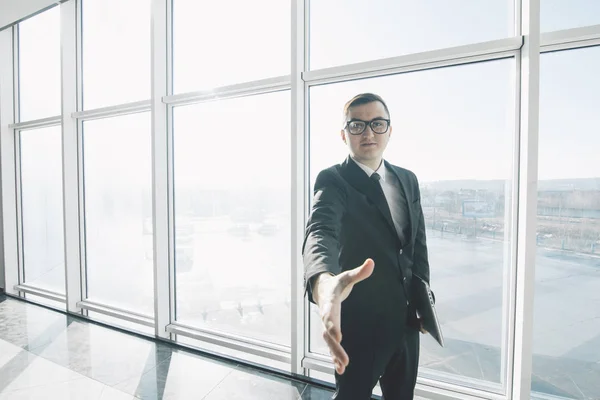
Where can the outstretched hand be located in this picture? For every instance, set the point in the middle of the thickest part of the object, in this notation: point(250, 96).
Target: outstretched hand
point(331, 291)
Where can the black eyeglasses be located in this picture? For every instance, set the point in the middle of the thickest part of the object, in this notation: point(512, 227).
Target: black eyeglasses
point(378, 125)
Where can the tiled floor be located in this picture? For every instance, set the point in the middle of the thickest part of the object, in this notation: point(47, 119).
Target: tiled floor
point(48, 355)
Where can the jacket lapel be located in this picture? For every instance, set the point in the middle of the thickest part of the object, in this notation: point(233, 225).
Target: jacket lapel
point(408, 196)
point(356, 177)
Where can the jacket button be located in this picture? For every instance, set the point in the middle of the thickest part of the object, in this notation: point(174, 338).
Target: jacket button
point(401, 251)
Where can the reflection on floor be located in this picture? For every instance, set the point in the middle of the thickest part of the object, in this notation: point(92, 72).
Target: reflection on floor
point(48, 355)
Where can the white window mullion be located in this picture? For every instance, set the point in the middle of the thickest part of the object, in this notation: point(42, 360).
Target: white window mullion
point(528, 174)
point(298, 195)
point(70, 146)
point(160, 172)
point(10, 276)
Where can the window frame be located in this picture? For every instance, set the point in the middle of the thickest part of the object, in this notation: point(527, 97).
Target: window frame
point(525, 46)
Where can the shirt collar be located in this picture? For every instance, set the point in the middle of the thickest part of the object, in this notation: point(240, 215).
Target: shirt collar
point(381, 170)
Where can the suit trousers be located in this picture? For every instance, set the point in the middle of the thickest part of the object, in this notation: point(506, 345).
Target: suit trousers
point(395, 369)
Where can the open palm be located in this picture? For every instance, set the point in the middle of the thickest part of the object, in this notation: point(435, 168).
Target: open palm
point(331, 292)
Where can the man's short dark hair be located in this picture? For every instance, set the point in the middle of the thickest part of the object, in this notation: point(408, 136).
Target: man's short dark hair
point(364, 98)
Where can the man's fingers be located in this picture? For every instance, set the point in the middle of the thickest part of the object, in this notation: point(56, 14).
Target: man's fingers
point(330, 312)
point(359, 273)
point(331, 320)
point(337, 351)
point(333, 330)
point(336, 364)
point(339, 367)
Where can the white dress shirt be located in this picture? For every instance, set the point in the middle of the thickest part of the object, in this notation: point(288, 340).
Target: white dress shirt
point(393, 196)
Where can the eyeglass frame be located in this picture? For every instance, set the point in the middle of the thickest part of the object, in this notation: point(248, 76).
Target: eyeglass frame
point(369, 124)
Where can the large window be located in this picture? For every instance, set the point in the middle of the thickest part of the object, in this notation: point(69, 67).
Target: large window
point(116, 52)
point(232, 215)
point(566, 343)
point(41, 205)
point(116, 168)
point(39, 66)
point(177, 210)
point(118, 212)
point(40, 152)
point(209, 50)
point(454, 128)
point(349, 31)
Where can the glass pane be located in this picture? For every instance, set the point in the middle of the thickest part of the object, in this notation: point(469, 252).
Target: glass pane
point(566, 331)
point(453, 128)
point(561, 14)
point(116, 52)
point(347, 31)
point(118, 211)
point(39, 66)
point(252, 42)
point(232, 210)
point(42, 207)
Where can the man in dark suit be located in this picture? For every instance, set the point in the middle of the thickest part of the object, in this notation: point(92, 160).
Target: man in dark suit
point(366, 212)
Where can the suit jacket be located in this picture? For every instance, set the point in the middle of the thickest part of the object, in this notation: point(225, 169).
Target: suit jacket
point(350, 221)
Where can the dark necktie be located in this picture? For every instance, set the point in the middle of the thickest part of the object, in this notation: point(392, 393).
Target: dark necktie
point(376, 179)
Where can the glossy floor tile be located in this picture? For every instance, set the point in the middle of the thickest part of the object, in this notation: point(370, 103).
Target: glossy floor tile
point(315, 393)
point(27, 376)
point(108, 356)
point(182, 376)
point(246, 384)
point(45, 354)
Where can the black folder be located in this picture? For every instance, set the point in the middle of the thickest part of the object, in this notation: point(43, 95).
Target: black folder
point(426, 308)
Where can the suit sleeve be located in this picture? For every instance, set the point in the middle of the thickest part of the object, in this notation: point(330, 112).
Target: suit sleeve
point(320, 250)
point(421, 258)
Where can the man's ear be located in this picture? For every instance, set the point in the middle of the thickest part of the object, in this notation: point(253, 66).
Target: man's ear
point(343, 136)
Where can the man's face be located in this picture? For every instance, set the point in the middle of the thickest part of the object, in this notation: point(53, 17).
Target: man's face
point(367, 147)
